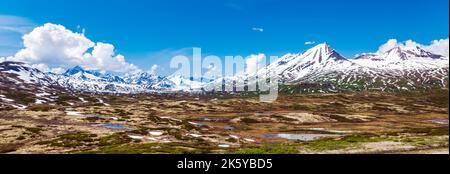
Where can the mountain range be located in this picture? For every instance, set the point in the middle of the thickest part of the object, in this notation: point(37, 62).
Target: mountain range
point(323, 69)
point(319, 69)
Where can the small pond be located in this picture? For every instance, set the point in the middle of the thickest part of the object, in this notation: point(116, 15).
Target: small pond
point(111, 126)
point(300, 137)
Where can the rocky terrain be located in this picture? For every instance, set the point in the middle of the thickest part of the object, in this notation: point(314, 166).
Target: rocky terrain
point(360, 122)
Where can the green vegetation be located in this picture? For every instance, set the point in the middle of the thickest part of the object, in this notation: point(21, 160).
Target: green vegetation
point(249, 120)
point(269, 149)
point(93, 119)
point(341, 143)
point(437, 131)
point(20, 137)
point(176, 133)
point(122, 113)
point(64, 98)
point(114, 139)
point(6, 108)
point(41, 108)
point(34, 130)
point(152, 148)
point(20, 97)
point(231, 140)
point(418, 137)
point(71, 140)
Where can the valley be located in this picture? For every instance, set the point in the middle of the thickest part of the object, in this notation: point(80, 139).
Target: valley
point(357, 122)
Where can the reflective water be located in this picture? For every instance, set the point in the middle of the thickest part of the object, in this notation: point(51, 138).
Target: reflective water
point(300, 137)
point(111, 126)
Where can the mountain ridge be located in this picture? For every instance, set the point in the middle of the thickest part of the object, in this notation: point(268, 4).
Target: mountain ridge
point(400, 68)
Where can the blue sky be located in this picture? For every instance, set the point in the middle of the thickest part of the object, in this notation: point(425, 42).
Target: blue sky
point(145, 31)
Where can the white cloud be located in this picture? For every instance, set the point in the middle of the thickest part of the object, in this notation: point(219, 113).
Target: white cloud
point(12, 29)
point(56, 46)
point(389, 45)
point(440, 47)
point(15, 24)
point(57, 70)
point(254, 63)
point(44, 68)
point(310, 42)
point(154, 69)
point(258, 29)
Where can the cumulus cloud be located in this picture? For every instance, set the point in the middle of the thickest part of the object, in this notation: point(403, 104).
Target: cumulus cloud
point(254, 62)
point(389, 45)
point(310, 42)
point(55, 46)
point(440, 47)
point(44, 68)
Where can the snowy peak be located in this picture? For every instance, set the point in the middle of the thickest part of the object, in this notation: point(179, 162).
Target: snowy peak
point(142, 78)
point(413, 52)
point(184, 84)
point(322, 53)
point(319, 59)
point(149, 80)
point(80, 73)
point(401, 53)
point(324, 47)
point(74, 70)
point(405, 53)
point(113, 78)
point(402, 57)
point(79, 69)
point(395, 54)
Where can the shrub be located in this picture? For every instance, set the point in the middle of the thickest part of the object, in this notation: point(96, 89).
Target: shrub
point(41, 108)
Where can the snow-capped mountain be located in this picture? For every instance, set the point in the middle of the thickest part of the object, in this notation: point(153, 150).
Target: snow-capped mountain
point(405, 58)
point(22, 73)
point(319, 59)
point(323, 69)
point(92, 81)
point(21, 84)
point(149, 80)
point(15, 74)
point(79, 73)
point(184, 84)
